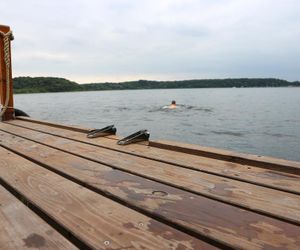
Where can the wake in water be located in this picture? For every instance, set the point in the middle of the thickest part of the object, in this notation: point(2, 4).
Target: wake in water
point(180, 108)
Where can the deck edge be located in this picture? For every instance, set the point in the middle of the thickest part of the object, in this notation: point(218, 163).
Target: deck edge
point(210, 152)
point(231, 156)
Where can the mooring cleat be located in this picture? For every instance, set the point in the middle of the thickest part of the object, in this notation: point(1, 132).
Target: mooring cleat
point(142, 135)
point(109, 130)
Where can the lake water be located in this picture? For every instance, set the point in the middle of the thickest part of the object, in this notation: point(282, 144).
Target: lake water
point(263, 121)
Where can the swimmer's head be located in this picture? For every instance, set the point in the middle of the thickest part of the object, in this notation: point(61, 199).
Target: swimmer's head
point(173, 102)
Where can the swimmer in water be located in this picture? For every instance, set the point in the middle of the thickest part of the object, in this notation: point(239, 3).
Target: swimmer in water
point(173, 105)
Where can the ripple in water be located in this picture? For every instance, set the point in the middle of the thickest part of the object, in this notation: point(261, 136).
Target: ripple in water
point(122, 108)
point(277, 135)
point(238, 134)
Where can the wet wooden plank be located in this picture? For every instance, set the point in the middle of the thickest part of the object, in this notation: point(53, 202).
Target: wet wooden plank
point(216, 220)
point(265, 177)
point(22, 229)
point(93, 219)
point(264, 200)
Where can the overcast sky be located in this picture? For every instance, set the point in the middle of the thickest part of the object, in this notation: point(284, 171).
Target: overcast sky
point(119, 40)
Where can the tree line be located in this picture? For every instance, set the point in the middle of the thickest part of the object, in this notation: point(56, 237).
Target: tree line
point(55, 84)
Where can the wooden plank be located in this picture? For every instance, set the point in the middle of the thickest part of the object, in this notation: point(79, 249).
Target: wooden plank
point(93, 219)
point(221, 154)
point(215, 153)
point(23, 229)
point(55, 125)
point(256, 175)
point(201, 215)
point(263, 200)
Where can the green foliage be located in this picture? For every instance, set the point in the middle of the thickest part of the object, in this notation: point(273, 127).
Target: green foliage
point(54, 84)
point(44, 84)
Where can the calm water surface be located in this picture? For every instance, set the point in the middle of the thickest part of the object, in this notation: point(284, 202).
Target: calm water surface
point(263, 121)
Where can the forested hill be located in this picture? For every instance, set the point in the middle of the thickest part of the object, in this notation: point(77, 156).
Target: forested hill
point(54, 84)
point(43, 85)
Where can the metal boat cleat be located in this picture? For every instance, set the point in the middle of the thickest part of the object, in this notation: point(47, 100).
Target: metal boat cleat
point(142, 135)
point(109, 130)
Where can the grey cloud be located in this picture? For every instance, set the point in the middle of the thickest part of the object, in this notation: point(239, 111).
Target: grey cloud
point(121, 39)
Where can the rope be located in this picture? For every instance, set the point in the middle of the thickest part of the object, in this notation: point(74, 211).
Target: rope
point(6, 39)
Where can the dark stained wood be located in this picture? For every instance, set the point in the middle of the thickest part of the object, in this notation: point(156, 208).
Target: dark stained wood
point(95, 220)
point(201, 215)
point(265, 177)
point(22, 229)
point(264, 200)
point(9, 114)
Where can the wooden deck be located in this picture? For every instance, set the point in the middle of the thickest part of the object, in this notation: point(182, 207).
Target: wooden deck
point(62, 190)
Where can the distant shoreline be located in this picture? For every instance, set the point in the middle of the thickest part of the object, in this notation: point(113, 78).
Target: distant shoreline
point(23, 85)
point(16, 93)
